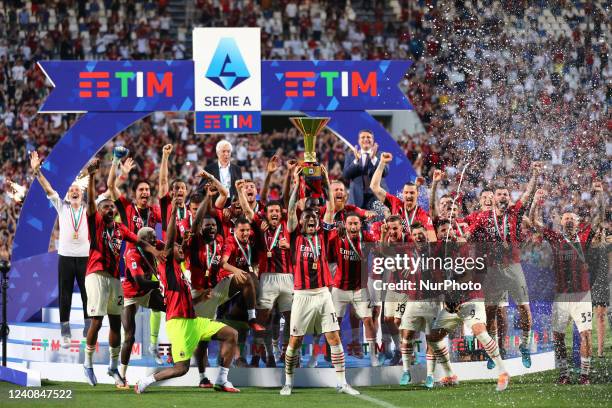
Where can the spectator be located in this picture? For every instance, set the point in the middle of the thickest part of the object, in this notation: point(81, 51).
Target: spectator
point(359, 166)
point(224, 171)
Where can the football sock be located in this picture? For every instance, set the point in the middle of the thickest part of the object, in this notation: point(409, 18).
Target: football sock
point(396, 341)
point(431, 363)
point(585, 365)
point(203, 375)
point(372, 349)
point(492, 350)
point(154, 322)
point(114, 357)
point(290, 362)
point(251, 313)
point(89, 352)
point(337, 357)
point(123, 370)
point(525, 337)
point(222, 377)
point(442, 356)
point(406, 350)
point(148, 380)
point(562, 365)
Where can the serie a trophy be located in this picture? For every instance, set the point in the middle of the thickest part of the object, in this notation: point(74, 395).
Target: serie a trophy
point(311, 170)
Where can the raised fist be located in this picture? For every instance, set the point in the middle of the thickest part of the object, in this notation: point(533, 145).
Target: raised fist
point(93, 166)
point(273, 164)
point(35, 161)
point(437, 175)
point(167, 149)
point(386, 157)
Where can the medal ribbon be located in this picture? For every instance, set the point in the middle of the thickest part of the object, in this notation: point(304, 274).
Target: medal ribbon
point(314, 247)
point(76, 219)
point(275, 239)
point(575, 248)
point(209, 257)
point(504, 226)
point(244, 253)
point(350, 241)
point(411, 219)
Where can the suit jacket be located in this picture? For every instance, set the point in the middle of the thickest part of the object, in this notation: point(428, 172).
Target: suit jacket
point(359, 178)
point(235, 174)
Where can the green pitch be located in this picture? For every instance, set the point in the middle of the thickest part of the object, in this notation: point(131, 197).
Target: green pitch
point(532, 390)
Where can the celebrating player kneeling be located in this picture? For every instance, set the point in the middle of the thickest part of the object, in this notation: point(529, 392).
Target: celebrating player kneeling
point(313, 308)
point(184, 329)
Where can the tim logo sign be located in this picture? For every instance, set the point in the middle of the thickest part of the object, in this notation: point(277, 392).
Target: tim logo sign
point(227, 80)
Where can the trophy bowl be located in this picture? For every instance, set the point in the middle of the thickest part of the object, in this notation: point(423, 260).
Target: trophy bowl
point(311, 170)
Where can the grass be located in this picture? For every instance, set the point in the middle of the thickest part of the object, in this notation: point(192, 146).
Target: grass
point(531, 390)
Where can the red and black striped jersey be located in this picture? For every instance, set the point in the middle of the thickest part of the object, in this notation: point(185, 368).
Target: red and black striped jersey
point(165, 205)
point(204, 261)
point(349, 255)
point(310, 261)
point(242, 255)
point(340, 216)
point(137, 265)
point(569, 262)
point(175, 289)
point(504, 229)
point(416, 215)
point(424, 273)
point(135, 218)
point(105, 244)
point(272, 258)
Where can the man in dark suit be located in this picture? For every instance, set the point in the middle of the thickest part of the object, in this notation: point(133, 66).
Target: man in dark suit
point(359, 166)
point(224, 171)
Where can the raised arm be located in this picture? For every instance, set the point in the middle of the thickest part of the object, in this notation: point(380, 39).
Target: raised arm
point(163, 172)
point(536, 169)
point(378, 191)
point(292, 220)
point(433, 203)
point(92, 168)
point(535, 209)
point(329, 211)
point(199, 215)
point(287, 183)
point(171, 232)
point(35, 163)
point(600, 214)
point(271, 168)
point(246, 208)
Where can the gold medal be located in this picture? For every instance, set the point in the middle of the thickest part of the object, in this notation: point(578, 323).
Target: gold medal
point(251, 269)
point(269, 254)
point(75, 235)
point(314, 266)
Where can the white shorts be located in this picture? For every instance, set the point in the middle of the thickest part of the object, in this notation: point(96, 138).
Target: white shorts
point(140, 300)
point(360, 299)
point(275, 288)
point(470, 313)
point(502, 278)
point(375, 295)
point(220, 295)
point(420, 315)
point(575, 306)
point(313, 312)
point(104, 294)
point(395, 303)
